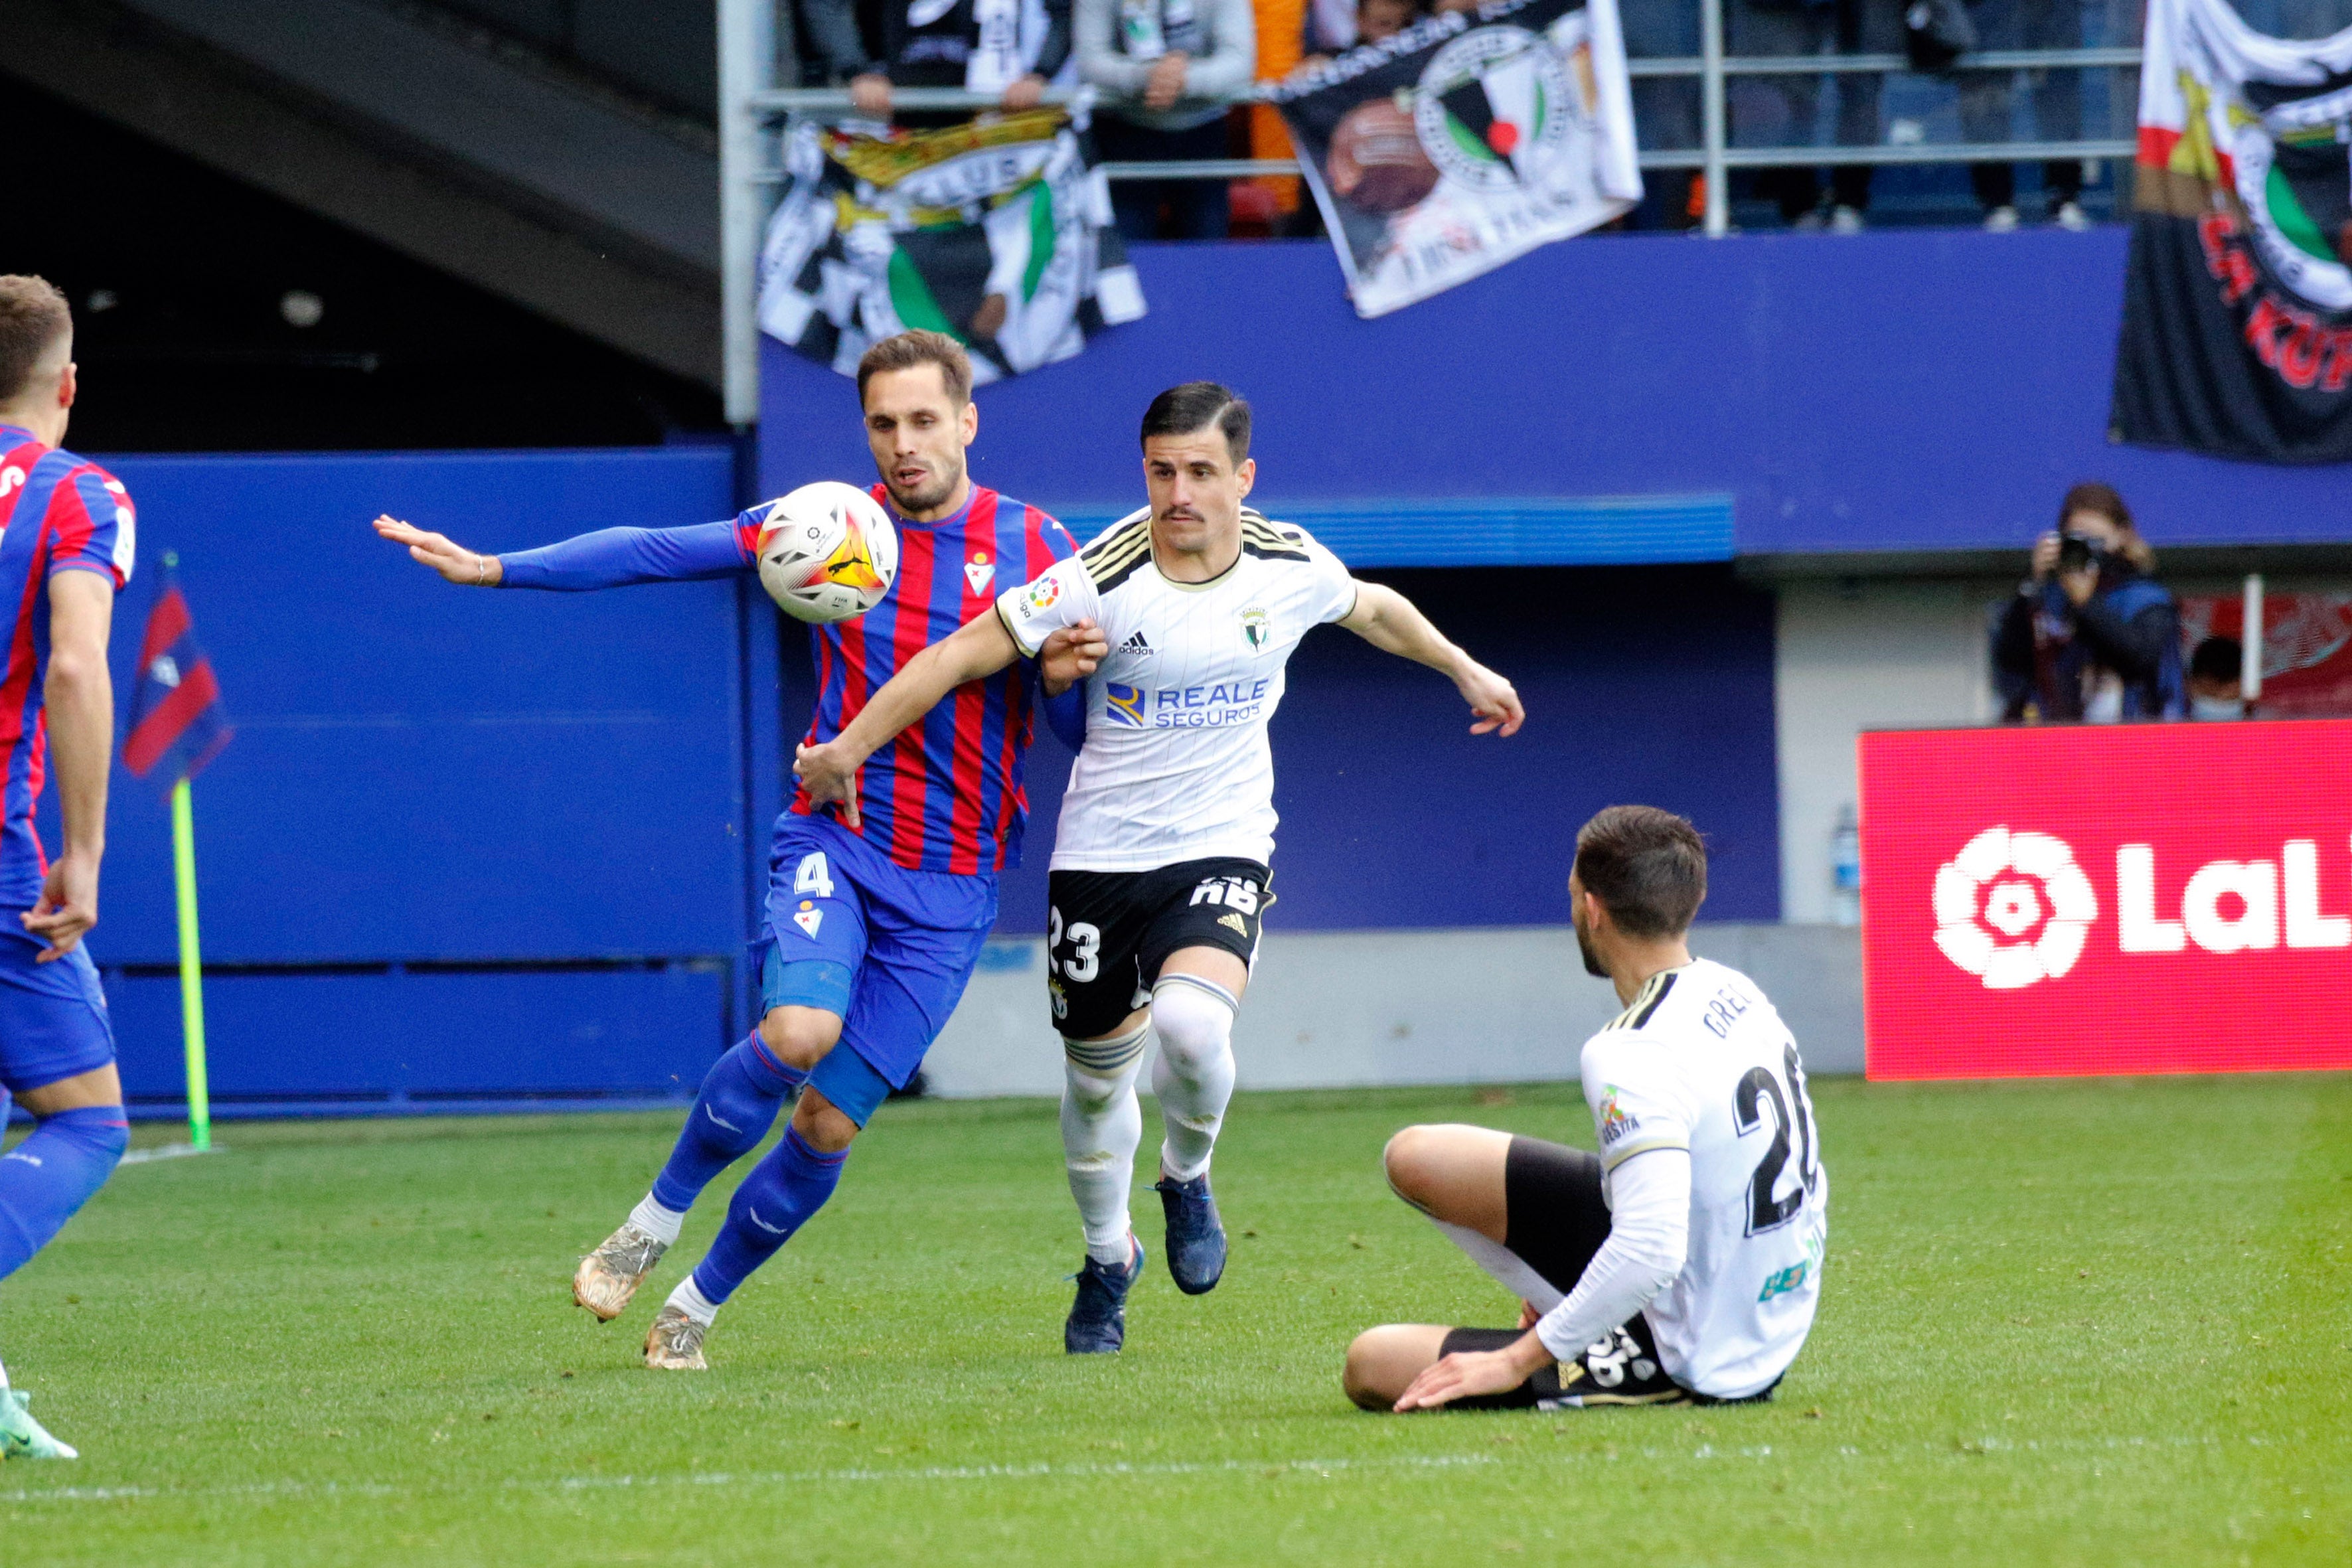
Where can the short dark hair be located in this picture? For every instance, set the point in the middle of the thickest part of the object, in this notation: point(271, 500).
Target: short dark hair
point(2092, 495)
point(33, 316)
point(905, 351)
point(2221, 659)
point(1647, 866)
point(1196, 405)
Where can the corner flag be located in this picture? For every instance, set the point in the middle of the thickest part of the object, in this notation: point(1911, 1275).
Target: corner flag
point(178, 727)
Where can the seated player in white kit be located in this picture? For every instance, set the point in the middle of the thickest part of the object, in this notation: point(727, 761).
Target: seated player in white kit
point(1684, 1261)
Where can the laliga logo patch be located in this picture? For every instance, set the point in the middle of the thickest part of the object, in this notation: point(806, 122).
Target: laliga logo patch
point(2012, 883)
point(980, 572)
point(808, 917)
point(1040, 596)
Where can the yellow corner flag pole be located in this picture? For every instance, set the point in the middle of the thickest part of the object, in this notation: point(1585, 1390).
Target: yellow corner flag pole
point(192, 967)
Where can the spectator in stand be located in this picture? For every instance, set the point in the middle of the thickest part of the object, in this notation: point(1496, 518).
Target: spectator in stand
point(2216, 679)
point(1777, 111)
point(1008, 47)
point(2057, 96)
point(2090, 635)
point(1166, 68)
point(1375, 21)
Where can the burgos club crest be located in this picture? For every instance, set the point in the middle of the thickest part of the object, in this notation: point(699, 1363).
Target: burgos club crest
point(2294, 171)
point(1492, 109)
point(2013, 908)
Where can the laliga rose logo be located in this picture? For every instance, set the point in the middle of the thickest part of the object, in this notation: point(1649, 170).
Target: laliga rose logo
point(2012, 883)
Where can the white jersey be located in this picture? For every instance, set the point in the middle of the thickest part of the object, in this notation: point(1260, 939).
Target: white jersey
point(1176, 764)
point(1701, 1061)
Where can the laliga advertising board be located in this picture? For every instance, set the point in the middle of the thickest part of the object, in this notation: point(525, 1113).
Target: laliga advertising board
point(2108, 898)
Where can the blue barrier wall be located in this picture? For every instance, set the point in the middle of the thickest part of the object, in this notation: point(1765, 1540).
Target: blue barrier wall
point(1914, 389)
point(464, 841)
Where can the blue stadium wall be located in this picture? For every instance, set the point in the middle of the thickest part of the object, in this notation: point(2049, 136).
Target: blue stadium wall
point(479, 848)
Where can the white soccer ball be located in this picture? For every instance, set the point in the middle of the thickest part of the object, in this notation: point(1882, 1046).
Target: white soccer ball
point(827, 552)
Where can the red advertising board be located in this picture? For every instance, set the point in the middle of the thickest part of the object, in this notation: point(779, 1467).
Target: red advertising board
point(2108, 898)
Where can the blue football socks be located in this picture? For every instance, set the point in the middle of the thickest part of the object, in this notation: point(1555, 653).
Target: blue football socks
point(775, 1200)
point(45, 1179)
point(736, 1106)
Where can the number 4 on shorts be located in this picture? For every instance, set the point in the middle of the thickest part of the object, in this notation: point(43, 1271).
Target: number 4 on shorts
point(813, 879)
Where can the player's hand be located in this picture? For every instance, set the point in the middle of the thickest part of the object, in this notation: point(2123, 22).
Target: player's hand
point(830, 775)
point(870, 95)
point(1493, 701)
point(1026, 92)
point(1165, 85)
point(445, 555)
point(1529, 1316)
point(68, 906)
point(1070, 655)
point(1465, 1374)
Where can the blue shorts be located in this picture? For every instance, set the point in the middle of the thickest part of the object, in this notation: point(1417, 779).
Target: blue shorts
point(888, 950)
point(53, 1020)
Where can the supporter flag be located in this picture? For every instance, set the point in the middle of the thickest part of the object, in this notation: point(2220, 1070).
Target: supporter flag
point(1465, 141)
point(996, 232)
point(2237, 335)
point(176, 723)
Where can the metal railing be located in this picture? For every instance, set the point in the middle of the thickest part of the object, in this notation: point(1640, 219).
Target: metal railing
point(752, 112)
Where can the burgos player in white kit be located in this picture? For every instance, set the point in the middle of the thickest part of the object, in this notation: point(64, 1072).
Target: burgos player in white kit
point(1685, 1262)
point(1160, 871)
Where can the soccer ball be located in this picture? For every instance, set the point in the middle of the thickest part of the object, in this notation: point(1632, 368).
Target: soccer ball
point(828, 552)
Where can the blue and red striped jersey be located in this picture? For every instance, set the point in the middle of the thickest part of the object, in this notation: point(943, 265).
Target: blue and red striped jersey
point(947, 794)
point(57, 513)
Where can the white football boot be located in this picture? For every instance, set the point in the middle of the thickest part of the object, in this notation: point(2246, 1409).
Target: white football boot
point(608, 1277)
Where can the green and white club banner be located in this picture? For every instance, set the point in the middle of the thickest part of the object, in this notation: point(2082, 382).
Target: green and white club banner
point(996, 232)
point(1465, 141)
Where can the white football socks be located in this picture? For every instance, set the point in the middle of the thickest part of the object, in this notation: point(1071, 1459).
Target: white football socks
point(656, 1221)
point(693, 1303)
point(1102, 1122)
point(1508, 1268)
point(1194, 1076)
point(4, 1377)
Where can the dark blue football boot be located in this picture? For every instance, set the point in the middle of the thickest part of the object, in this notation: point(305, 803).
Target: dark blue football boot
point(1098, 1324)
point(1196, 1236)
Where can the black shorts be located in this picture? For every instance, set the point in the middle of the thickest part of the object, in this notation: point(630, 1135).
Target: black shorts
point(1108, 932)
point(1555, 1219)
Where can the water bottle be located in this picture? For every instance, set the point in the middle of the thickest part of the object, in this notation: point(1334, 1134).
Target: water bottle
point(1845, 868)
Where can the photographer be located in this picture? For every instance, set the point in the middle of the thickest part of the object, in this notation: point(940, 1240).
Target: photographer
point(2090, 636)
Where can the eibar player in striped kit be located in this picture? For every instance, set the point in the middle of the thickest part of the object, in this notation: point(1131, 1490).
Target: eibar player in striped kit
point(873, 923)
point(1160, 873)
point(67, 536)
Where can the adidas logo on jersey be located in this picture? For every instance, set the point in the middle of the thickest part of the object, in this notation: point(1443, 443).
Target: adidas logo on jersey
point(1235, 921)
point(1137, 645)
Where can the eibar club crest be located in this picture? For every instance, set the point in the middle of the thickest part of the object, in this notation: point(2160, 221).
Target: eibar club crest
point(808, 917)
point(980, 572)
point(1256, 627)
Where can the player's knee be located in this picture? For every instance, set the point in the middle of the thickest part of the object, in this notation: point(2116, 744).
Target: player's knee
point(1368, 1374)
point(798, 1037)
point(1407, 1161)
point(1092, 1093)
point(822, 1125)
point(1195, 1029)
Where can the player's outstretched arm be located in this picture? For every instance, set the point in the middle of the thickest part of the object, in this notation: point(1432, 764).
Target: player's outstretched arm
point(81, 701)
point(829, 771)
point(1388, 621)
point(608, 558)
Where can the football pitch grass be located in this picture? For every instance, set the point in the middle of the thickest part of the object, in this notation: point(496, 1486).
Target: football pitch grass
point(2079, 1322)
